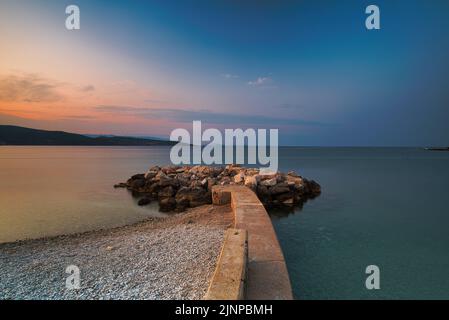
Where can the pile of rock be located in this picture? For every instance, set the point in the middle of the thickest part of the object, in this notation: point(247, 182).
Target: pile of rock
point(177, 188)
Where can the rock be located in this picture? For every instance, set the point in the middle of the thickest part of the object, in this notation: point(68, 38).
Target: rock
point(225, 181)
point(292, 174)
point(295, 180)
point(158, 176)
point(166, 192)
point(182, 198)
point(215, 171)
point(261, 177)
point(177, 188)
point(280, 178)
point(152, 187)
point(120, 185)
point(200, 170)
point(239, 177)
point(167, 204)
point(252, 172)
point(170, 170)
point(150, 174)
point(192, 197)
point(184, 180)
point(279, 188)
point(210, 183)
point(286, 196)
point(196, 184)
point(138, 183)
point(269, 182)
point(137, 176)
point(199, 196)
point(262, 193)
point(144, 201)
point(314, 187)
point(300, 189)
point(232, 169)
point(165, 181)
point(251, 182)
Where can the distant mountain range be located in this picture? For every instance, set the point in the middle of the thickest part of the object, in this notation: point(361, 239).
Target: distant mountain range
point(14, 135)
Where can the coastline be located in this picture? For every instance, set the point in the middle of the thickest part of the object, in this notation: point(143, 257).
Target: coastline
point(159, 258)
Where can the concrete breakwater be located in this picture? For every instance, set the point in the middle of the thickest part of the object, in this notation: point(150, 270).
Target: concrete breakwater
point(251, 265)
point(177, 188)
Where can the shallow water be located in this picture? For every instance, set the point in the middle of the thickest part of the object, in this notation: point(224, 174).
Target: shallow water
point(380, 206)
point(46, 191)
point(387, 207)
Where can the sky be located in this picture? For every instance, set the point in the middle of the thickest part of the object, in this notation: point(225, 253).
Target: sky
point(308, 68)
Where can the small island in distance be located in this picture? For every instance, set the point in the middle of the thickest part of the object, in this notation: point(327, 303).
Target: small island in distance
point(21, 136)
point(438, 149)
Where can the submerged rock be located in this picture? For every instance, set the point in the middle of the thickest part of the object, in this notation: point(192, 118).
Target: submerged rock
point(177, 188)
point(144, 201)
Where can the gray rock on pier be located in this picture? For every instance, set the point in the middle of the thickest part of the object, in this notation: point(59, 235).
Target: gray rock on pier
point(177, 188)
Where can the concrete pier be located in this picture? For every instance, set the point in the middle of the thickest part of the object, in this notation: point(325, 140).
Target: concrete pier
point(267, 276)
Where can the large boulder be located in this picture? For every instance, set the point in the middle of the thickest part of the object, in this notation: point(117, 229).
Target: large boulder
point(239, 177)
point(279, 188)
point(314, 187)
point(152, 172)
point(166, 192)
point(165, 181)
point(251, 182)
point(137, 183)
point(269, 182)
point(193, 197)
point(167, 204)
point(225, 180)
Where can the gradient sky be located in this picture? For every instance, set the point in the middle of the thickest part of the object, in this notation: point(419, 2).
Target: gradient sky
point(309, 68)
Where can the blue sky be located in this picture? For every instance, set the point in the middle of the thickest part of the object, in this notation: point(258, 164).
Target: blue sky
point(309, 68)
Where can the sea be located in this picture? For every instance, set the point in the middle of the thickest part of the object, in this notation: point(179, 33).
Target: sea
point(382, 207)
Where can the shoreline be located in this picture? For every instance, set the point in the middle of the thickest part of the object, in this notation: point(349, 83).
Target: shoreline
point(158, 258)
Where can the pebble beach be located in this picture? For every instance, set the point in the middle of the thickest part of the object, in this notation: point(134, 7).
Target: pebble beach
point(160, 258)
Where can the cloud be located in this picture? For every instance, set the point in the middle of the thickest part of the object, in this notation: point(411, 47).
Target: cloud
point(28, 88)
point(230, 76)
point(207, 116)
point(88, 88)
point(261, 81)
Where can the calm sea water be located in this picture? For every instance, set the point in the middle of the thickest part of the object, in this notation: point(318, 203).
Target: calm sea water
point(387, 207)
point(380, 206)
point(47, 191)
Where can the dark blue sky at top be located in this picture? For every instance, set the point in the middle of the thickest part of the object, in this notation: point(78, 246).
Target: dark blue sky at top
point(344, 85)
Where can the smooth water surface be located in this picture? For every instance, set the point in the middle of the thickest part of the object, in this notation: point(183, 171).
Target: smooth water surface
point(379, 206)
point(46, 191)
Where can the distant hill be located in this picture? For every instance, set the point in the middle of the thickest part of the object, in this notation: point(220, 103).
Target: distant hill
point(20, 136)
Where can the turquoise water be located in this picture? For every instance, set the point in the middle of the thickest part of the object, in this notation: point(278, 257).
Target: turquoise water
point(384, 206)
